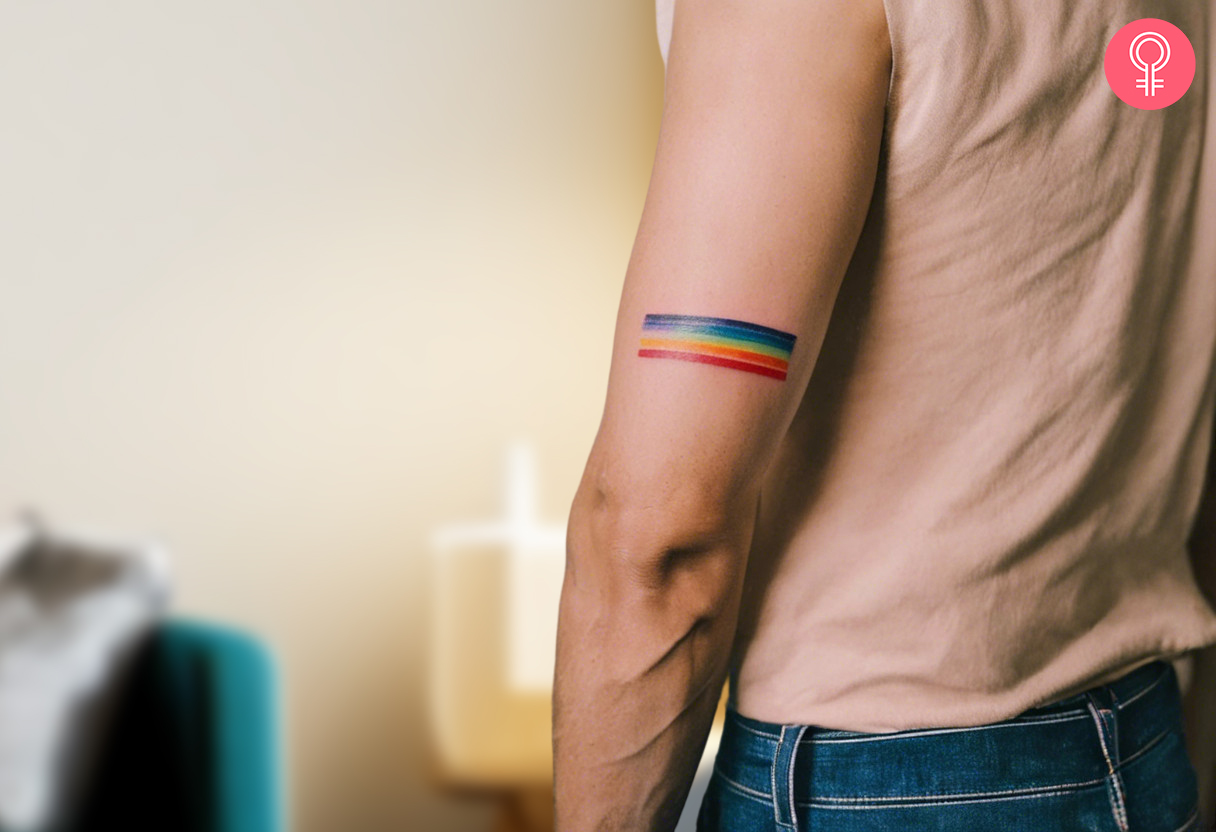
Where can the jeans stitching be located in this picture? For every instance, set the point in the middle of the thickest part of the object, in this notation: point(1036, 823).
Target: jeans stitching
point(1104, 718)
point(946, 798)
point(1117, 779)
point(1116, 782)
point(760, 796)
point(1144, 690)
point(1191, 818)
point(1142, 750)
point(757, 732)
point(928, 732)
point(857, 736)
point(773, 780)
point(1001, 793)
point(1113, 779)
point(793, 759)
point(1062, 716)
point(941, 797)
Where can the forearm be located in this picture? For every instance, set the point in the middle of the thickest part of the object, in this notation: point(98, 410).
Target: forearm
point(644, 633)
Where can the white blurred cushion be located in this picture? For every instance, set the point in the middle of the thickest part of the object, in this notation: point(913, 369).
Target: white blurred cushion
point(72, 613)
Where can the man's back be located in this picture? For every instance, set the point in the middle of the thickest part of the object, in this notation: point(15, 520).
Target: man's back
point(907, 421)
point(984, 499)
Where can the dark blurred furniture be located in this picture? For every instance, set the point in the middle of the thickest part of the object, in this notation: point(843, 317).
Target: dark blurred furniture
point(196, 742)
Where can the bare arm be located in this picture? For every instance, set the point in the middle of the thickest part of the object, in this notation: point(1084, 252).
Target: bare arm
point(765, 166)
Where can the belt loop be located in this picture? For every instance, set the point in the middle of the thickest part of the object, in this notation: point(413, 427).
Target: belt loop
point(1101, 703)
point(784, 812)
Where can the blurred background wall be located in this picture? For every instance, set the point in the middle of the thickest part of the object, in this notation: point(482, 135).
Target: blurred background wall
point(279, 282)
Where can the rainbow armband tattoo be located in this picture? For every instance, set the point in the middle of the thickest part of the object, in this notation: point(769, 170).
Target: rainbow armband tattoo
point(721, 341)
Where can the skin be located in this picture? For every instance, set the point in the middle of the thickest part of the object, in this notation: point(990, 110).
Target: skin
point(765, 167)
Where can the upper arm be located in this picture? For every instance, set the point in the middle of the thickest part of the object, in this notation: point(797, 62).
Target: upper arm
point(765, 165)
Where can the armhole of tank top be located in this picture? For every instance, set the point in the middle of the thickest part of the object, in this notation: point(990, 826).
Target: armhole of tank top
point(896, 62)
point(664, 17)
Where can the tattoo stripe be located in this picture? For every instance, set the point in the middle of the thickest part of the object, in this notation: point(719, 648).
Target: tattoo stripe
point(713, 359)
point(714, 349)
point(732, 322)
point(725, 342)
point(721, 327)
point(718, 340)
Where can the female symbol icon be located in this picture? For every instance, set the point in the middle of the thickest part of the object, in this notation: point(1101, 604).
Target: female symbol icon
point(1150, 63)
point(1150, 83)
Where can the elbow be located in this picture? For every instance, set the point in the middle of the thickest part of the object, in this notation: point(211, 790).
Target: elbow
point(652, 589)
point(681, 558)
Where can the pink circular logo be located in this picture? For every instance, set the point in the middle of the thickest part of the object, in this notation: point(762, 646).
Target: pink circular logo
point(1150, 63)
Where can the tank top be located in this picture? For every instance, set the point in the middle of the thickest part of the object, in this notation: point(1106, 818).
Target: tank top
point(983, 502)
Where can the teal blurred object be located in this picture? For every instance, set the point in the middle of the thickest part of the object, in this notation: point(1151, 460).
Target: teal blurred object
point(196, 746)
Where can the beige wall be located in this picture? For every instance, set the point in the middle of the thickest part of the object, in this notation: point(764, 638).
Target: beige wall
point(278, 281)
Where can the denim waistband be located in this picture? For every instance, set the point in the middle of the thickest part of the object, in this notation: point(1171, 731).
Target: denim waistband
point(1052, 746)
point(1122, 689)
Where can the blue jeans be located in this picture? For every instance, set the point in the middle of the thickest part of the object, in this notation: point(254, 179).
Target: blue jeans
point(1110, 759)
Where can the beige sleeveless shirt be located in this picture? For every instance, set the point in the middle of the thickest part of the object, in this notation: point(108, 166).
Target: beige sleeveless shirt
point(983, 502)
